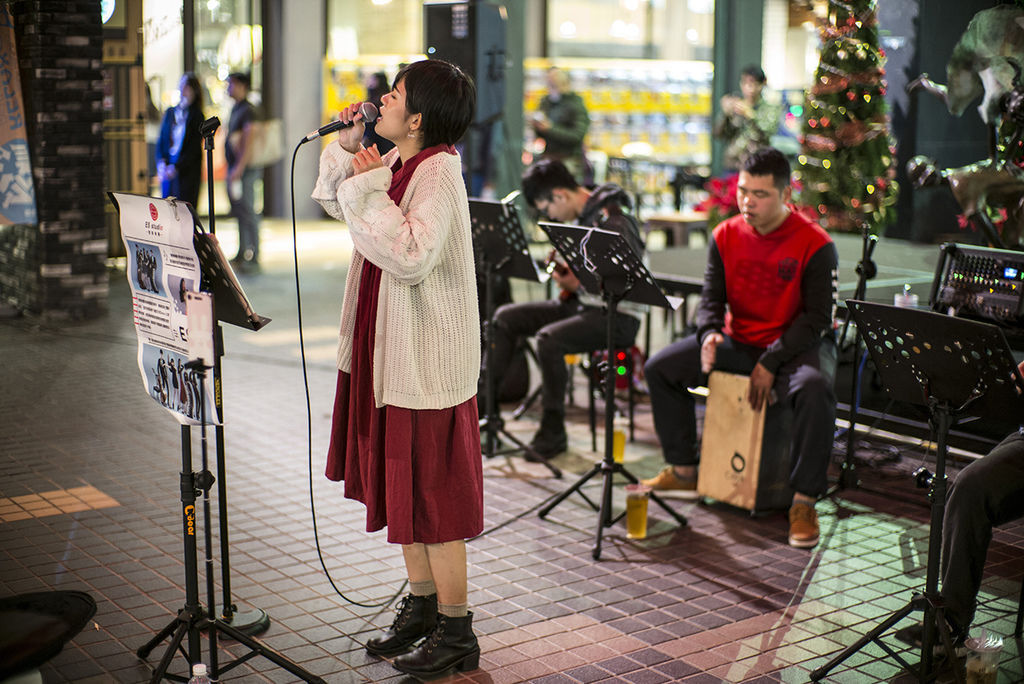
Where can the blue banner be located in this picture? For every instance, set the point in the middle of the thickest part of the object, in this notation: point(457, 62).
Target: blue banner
point(17, 195)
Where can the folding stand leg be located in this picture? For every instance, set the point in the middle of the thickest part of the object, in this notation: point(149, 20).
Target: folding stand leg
point(928, 602)
point(604, 519)
point(534, 394)
point(192, 618)
point(866, 270)
point(934, 619)
point(184, 625)
point(256, 648)
point(532, 397)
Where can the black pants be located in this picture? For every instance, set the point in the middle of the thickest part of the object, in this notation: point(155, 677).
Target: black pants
point(805, 382)
point(987, 493)
point(561, 327)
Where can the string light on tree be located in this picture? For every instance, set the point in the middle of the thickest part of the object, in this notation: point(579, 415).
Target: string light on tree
point(846, 165)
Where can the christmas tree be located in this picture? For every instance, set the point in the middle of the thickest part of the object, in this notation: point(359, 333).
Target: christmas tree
point(846, 165)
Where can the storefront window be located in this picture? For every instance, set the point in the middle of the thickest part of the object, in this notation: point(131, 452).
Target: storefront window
point(644, 71)
point(367, 38)
point(358, 28)
point(228, 38)
point(163, 51)
point(640, 29)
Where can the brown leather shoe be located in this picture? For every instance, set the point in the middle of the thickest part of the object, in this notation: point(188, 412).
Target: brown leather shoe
point(803, 526)
point(668, 481)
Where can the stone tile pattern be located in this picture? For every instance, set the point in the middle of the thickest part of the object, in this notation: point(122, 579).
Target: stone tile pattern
point(722, 599)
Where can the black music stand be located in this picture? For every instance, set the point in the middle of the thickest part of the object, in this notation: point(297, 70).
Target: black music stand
point(949, 365)
point(603, 262)
point(217, 277)
point(500, 248)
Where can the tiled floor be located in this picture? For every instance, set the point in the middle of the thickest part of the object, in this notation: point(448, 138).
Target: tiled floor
point(89, 500)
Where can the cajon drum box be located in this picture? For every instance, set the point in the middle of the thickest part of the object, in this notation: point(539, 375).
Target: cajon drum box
point(744, 454)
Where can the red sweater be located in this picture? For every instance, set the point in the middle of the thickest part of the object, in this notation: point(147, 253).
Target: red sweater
point(780, 287)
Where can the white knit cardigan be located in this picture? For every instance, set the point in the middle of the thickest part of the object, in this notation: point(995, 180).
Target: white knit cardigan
point(426, 351)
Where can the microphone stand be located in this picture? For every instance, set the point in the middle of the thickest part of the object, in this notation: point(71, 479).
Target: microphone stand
point(256, 620)
point(866, 270)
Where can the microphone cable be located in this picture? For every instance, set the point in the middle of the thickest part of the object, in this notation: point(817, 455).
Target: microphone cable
point(309, 408)
point(309, 419)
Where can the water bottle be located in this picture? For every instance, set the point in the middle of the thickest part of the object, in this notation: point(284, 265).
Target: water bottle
point(199, 675)
point(906, 298)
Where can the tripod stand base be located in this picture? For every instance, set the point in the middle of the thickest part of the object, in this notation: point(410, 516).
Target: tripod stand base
point(923, 672)
point(491, 431)
point(250, 622)
point(190, 622)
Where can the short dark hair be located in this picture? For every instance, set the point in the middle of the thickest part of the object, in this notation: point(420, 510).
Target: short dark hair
point(768, 161)
point(243, 78)
point(443, 94)
point(755, 72)
point(192, 81)
point(544, 176)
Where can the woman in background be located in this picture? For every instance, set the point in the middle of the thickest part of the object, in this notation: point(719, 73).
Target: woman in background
point(405, 436)
point(179, 149)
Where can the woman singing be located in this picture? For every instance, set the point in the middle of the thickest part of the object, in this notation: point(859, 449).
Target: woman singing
point(405, 436)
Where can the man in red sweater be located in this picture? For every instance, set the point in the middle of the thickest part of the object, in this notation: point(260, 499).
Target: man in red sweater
point(766, 310)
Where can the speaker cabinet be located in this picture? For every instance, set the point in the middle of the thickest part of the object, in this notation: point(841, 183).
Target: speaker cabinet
point(472, 36)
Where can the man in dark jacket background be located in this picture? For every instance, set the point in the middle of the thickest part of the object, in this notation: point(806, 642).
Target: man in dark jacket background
point(562, 124)
point(567, 324)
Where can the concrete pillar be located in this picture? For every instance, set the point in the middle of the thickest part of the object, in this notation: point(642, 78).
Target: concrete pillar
point(739, 27)
point(294, 47)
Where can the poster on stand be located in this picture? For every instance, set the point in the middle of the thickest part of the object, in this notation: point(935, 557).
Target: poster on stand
point(163, 268)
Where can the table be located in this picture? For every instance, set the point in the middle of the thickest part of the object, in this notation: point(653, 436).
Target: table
point(680, 270)
point(678, 226)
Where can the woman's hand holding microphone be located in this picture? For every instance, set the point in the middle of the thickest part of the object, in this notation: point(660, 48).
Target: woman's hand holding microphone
point(350, 138)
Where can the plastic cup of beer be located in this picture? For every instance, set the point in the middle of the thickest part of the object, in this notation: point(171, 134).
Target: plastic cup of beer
point(619, 445)
point(983, 659)
point(637, 496)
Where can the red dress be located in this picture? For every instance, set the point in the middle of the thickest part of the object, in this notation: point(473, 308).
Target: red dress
point(417, 471)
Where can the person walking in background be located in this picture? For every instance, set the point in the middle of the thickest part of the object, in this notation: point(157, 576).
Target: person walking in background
point(405, 434)
point(747, 121)
point(242, 177)
point(562, 124)
point(179, 147)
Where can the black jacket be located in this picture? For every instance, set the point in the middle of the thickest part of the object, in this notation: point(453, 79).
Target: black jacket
point(189, 160)
point(606, 208)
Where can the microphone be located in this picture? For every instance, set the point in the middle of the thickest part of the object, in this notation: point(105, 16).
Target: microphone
point(367, 109)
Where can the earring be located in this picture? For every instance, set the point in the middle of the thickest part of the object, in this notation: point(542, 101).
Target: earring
point(411, 134)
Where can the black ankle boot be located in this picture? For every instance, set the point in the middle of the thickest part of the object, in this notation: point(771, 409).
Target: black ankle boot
point(451, 644)
point(550, 440)
point(417, 617)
